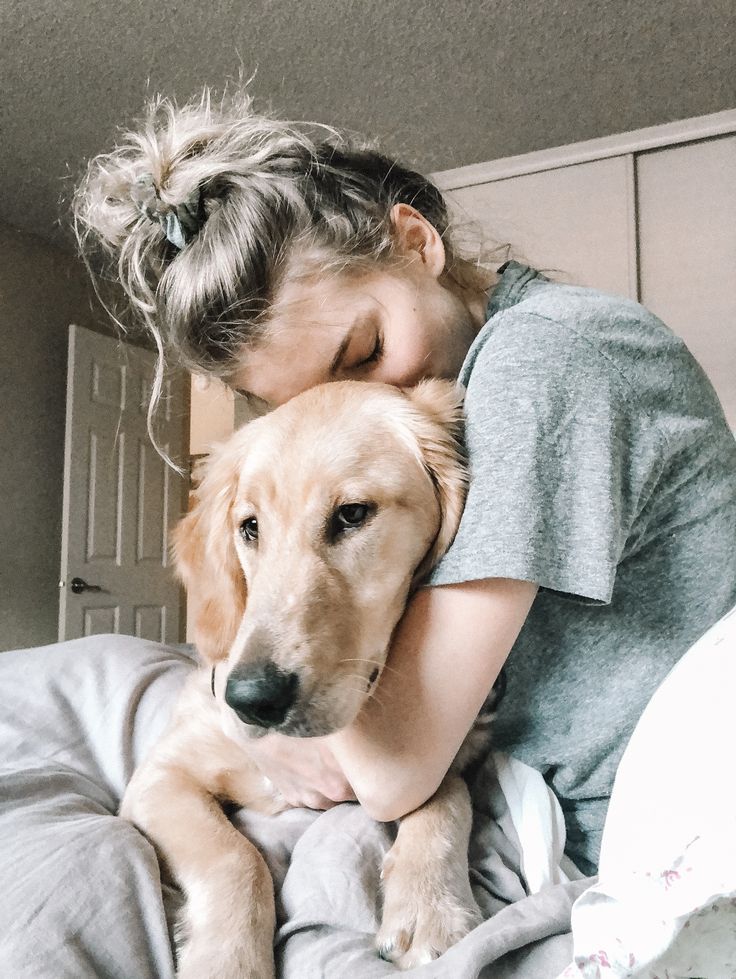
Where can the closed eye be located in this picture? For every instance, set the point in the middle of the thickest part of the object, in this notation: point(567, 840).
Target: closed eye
point(375, 354)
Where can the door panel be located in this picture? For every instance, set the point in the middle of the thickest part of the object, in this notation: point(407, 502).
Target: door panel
point(687, 251)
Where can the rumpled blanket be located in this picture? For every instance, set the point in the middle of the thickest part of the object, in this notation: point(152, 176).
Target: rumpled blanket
point(81, 895)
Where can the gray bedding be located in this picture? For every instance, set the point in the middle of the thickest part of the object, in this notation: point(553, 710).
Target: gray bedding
point(81, 895)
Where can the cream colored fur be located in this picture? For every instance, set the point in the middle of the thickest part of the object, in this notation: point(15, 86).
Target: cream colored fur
point(325, 609)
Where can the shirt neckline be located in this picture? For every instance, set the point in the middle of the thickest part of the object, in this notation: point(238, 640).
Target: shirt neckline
point(514, 279)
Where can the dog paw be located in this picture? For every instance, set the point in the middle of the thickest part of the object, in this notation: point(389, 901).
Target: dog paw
point(420, 924)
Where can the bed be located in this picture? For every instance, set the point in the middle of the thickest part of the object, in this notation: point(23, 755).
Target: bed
point(82, 894)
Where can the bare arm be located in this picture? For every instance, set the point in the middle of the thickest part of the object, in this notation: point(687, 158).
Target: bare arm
point(446, 654)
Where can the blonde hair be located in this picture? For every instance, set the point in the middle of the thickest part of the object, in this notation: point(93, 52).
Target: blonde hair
point(277, 201)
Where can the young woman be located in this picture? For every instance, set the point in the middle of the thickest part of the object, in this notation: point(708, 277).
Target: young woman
point(597, 542)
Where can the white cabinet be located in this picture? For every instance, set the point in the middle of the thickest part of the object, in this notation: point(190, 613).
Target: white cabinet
point(687, 251)
point(573, 221)
point(211, 414)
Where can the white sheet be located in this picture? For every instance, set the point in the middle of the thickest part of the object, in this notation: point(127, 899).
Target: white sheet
point(665, 902)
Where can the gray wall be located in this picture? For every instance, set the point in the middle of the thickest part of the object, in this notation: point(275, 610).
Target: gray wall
point(42, 290)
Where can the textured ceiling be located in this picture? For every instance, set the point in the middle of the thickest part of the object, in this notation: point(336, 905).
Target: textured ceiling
point(442, 84)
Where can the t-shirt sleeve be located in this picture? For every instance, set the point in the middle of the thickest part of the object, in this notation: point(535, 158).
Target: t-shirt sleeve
point(559, 454)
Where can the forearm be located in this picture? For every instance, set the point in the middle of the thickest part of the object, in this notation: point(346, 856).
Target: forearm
point(447, 651)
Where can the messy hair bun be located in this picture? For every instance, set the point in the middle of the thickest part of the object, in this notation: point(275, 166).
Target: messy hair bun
point(206, 210)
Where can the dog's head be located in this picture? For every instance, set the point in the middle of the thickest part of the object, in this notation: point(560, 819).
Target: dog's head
point(309, 528)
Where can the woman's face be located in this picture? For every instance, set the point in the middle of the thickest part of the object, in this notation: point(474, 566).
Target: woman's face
point(395, 326)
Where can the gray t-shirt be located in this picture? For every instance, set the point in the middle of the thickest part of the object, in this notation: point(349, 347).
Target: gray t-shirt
point(603, 469)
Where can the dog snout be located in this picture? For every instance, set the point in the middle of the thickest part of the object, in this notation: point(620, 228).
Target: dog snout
point(261, 693)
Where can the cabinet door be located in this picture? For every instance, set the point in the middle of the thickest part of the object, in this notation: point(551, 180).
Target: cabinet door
point(575, 221)
point(211, 414)
point(687, 251)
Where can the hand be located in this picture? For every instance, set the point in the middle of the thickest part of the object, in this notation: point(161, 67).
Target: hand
point(304, 770)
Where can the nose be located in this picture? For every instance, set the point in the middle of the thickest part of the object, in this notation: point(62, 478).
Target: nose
point(261, 693)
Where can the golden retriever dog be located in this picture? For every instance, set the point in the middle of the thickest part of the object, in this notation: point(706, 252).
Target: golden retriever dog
point(309, 529)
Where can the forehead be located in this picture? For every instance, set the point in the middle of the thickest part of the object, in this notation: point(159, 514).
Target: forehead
point(309, 322)
point(327, 442)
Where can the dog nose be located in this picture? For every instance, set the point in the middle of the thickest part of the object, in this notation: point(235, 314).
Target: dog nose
point(261, 693)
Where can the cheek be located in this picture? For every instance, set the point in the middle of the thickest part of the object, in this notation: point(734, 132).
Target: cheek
point(412, 357)
point(380, 577)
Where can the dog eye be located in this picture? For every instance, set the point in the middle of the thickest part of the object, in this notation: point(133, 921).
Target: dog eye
point(249, 529)
point(349, 516)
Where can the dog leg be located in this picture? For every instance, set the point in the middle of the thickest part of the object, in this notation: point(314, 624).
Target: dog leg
point(427, 901)
point(229, 915)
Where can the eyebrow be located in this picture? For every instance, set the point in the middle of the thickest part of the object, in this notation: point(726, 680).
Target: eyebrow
point(341, 350)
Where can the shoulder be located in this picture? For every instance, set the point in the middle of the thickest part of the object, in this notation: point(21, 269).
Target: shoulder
point(548, 353)
point(574, 338)
point(560, 322)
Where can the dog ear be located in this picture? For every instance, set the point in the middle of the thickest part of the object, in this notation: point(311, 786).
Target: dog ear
point(206, 560)
point(439, 436)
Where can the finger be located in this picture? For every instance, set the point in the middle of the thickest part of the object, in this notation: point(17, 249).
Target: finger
point(333, 785)
point(342, 792)
point(309, 800)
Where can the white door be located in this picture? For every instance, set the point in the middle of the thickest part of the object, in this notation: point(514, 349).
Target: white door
point(120, 497)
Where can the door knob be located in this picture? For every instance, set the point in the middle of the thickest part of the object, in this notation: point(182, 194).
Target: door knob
point(78, 585)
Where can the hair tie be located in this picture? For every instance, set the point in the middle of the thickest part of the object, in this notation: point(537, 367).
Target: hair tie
point(179, 222)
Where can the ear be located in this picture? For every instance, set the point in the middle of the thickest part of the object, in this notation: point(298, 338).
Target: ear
point(438, 432)
point(206, 560)
point(418, 238)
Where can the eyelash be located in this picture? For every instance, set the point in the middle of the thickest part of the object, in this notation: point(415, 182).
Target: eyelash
point(376, 353)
